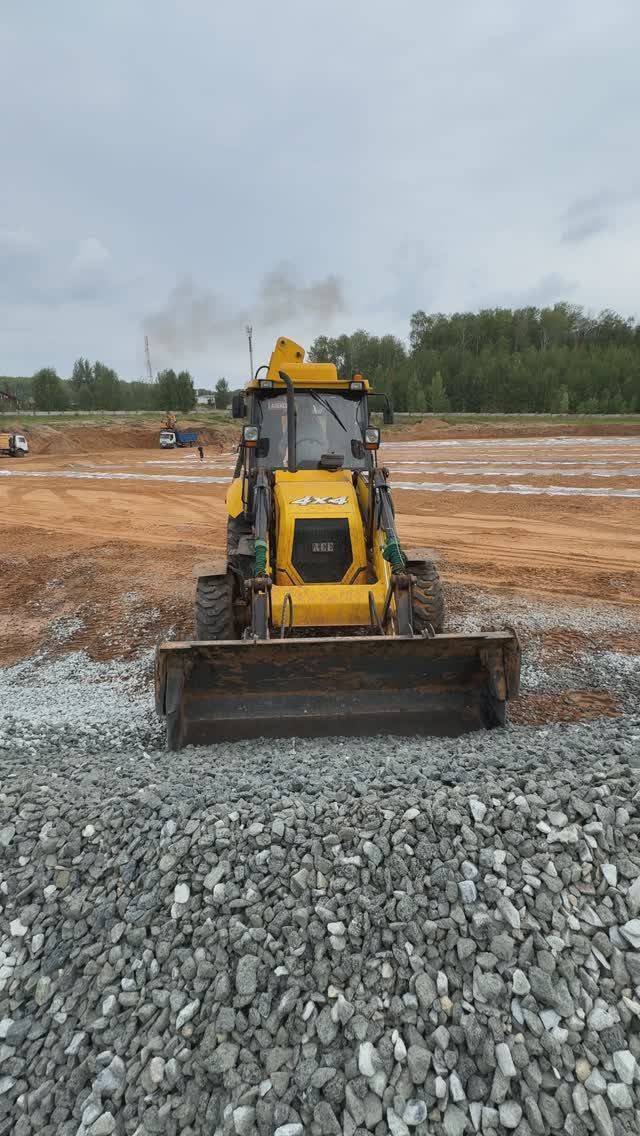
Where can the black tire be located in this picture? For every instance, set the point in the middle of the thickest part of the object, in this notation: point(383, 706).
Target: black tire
point(428, 597)
point(214, 613)
point(241, 565)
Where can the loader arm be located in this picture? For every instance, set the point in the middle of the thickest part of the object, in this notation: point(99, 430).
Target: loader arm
point(260, 585)
point(400, 585)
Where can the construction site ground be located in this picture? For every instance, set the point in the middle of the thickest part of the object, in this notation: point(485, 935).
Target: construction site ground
point(100, 529)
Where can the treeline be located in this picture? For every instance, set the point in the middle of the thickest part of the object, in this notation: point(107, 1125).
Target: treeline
point(536, 360)
point(95, 386)
point(526, 360)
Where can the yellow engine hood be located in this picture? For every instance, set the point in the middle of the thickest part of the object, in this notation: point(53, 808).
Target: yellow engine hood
point(315, 492)
point(316, 495)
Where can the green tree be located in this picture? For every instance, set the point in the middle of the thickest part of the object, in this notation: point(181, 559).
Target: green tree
point(138, 395)
point(186, 397)
point(48, 390)
point(503, 360)
point(107, 393)
point(561, 399)
point(83, 384)
point(175, 392)
point(589, 406)
point(82, 373)
point(19, 386)
point(223, 394)
point(439, 398)
point(416, 399)
point(166, 390)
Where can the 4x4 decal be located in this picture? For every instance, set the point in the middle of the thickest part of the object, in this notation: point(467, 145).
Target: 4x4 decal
point(319, 500)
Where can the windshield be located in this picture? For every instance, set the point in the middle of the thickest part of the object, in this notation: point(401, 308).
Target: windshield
point(326, 424)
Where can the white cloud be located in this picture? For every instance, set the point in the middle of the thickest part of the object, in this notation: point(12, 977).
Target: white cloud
point(20, 264)
point(18, 244)
point(43, 274)
point(90, 273)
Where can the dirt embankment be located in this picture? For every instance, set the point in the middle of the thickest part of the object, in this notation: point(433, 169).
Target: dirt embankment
point(91, 438)
point(437, 428)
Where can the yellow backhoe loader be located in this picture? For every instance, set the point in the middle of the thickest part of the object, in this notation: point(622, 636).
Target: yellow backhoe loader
point(318, 622)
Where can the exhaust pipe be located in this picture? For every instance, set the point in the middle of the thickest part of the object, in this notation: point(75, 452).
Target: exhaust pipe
point(291, 423)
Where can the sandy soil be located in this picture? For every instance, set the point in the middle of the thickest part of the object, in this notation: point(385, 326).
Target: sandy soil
point(96, 549)
point(438, 428)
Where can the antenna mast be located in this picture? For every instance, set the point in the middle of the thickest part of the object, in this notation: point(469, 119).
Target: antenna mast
point(249, 331)
point(147, 356)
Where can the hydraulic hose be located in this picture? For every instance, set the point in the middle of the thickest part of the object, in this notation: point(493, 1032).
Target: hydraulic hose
point(260, 557)
point(392, 552)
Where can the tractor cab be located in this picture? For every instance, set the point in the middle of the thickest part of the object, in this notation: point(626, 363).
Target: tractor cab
point(302, 416)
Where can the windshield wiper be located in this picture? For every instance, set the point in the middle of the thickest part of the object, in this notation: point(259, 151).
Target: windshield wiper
point(328, 406)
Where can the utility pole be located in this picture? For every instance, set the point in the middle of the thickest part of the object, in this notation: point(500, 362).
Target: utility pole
point(147, 356)
point(249, 331)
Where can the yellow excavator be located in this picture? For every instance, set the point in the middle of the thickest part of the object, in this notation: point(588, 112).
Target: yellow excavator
point(318, 621)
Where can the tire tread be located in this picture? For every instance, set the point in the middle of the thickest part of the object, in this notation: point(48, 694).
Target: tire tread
point(428, 597)
point(214, 618)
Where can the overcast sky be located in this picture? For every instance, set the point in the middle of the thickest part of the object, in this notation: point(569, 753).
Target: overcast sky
point(311, 165)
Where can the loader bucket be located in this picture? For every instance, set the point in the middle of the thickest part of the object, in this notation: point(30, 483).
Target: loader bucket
point(226, 691)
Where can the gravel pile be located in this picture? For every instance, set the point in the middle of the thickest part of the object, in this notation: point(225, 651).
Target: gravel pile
point(115, 697)
point(358, 936)
point(613, 672)
point(473, 609)
point(590, 667)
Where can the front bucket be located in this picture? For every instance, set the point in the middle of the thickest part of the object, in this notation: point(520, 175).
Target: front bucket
point(225, 691)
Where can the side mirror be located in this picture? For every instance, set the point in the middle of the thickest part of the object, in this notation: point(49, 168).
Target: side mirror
point(387, 413)
point(238, 406)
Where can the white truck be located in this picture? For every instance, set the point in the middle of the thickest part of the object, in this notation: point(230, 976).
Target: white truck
point(14, 445)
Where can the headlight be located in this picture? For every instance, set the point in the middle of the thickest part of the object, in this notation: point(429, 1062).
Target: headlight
point(372, 437)
point(250, 435)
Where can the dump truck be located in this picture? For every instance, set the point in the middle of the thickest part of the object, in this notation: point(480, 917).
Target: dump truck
point(169, 439)
point(317, 621)
point(14, 445)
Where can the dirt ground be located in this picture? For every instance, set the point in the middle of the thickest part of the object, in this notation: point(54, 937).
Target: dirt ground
point(432, 427)
point(97, 544)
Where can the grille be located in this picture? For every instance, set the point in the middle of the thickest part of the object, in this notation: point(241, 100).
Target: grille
point(322, 550)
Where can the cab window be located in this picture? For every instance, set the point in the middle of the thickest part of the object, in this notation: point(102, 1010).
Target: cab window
point(326, 424)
